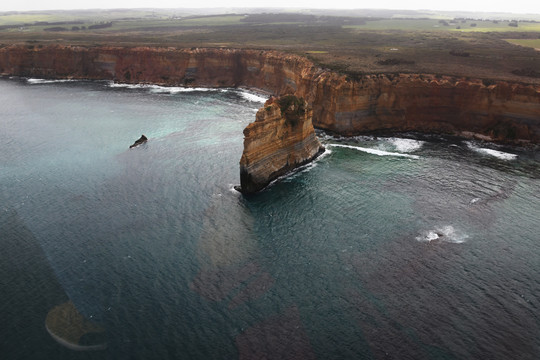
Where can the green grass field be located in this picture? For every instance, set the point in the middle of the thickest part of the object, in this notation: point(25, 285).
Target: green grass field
point(347, 44)
point(213, 20)
point(435, 25)
point(82, 15)
point(488, 26)
point(533, 43)
point(399, 24)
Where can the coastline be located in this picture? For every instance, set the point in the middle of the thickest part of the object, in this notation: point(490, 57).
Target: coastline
point(496, 111)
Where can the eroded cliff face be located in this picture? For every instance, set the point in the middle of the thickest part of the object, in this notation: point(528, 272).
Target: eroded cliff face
point(500, 111)
point(281, 139)
point(269, 71)
point(495, 111)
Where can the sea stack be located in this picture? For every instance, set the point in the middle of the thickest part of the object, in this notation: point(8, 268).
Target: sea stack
point(281, 139)
point(139, 141)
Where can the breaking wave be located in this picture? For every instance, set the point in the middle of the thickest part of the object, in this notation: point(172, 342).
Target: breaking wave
point(35, 81)
point(376, 151)
point(160, 89)
point(405, 145)
point(443, 233)
point(249, 96)
point(491, 152)
point(157, 89)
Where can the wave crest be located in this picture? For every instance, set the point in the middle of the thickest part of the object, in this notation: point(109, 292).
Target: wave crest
point(35, 81)
point(405, 145)
point(491, 152)
point(375, 151)
point(157, 89)
point(249, 96)
point(445, 233)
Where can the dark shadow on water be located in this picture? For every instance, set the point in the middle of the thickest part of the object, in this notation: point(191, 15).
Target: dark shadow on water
point(28, 291)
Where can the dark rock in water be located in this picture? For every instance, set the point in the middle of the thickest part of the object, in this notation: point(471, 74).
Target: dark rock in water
point(139, 141)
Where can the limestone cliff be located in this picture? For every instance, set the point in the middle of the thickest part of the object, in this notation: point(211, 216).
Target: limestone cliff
point(498, 111)
point(495, 111)
point(270, 71)
point(281, 139)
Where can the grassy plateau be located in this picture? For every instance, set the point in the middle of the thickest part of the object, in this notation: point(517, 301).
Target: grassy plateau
point(355, 42)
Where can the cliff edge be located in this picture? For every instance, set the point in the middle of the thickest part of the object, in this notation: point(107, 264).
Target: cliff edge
point(281, 139)
point(348, 105)
point(490, 110)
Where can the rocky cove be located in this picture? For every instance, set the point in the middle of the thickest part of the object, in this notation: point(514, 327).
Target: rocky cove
point(348, 105)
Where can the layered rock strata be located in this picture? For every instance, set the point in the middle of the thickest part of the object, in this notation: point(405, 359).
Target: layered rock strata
point(281, 139)
point(490, 110)
point(502, 112)
point(498, 111)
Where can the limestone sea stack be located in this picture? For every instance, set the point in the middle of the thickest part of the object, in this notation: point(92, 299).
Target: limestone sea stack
point(281, 139)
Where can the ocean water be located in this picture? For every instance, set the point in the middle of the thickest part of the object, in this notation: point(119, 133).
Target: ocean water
point(384, 248)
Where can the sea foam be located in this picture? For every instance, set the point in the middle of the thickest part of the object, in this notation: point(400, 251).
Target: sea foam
point(491, 152)
point(375, 151)
point(445, 233)
point(35, 81)
point(405, 145)
point(249, 96)
point(157, 89)
point(302, 169)
point(176, 89)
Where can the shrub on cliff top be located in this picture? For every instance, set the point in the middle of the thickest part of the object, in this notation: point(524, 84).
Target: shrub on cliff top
point(292, 107)
point(395, 62)
point(527, 72)
point(460, 53)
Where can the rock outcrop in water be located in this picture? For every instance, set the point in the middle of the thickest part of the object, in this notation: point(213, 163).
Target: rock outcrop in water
point(490, 110)
point(281, 139)
point(139, 141)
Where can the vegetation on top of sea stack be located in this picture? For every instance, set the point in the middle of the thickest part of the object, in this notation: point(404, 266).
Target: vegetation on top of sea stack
point(292, 107)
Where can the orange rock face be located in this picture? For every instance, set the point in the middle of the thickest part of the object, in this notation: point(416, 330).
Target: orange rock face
point(502, 111)
point(425, 103)
point(266, 70)
point(281, 139)
point(496, 111)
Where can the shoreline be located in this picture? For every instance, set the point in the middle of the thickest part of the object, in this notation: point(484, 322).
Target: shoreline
point(464, 135)
point(497, 111)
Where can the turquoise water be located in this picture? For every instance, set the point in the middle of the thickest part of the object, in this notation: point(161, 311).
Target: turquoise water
point(405, 248)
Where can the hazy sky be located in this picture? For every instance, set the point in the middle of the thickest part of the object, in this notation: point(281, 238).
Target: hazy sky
point(515, 6)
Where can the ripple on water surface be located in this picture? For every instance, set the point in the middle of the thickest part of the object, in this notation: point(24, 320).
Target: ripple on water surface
point(383, 247)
